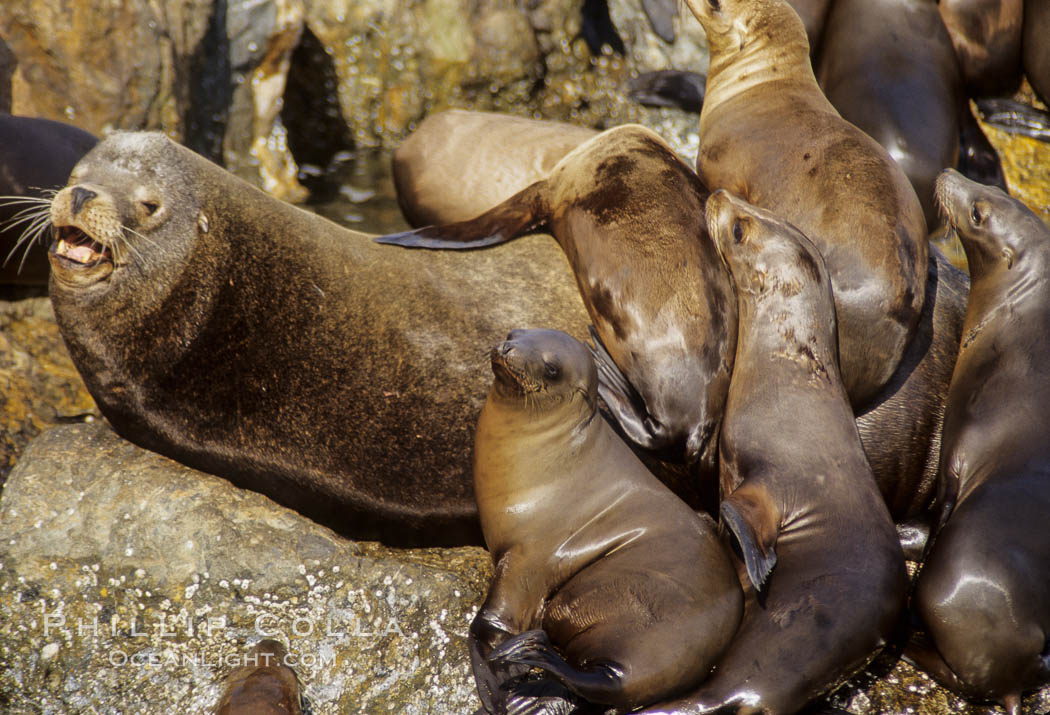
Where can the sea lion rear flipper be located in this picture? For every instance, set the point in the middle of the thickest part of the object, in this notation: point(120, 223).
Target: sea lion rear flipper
point(750, 514)
point(623, 401)
point(522, 213)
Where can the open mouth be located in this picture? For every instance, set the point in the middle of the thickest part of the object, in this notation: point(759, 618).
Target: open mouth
point(75, 246)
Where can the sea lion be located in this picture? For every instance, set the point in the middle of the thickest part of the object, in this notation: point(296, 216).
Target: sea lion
point(888, 67)
point(982, 590)
point(459, 163)
point(251, 339)
point(36, 156)
point(768, 134)
point(605, 580)
point(264, 685)
point(986, 35)
point(1035, 49)
point(630, 217)
point(1015, 117)
point(825, 579)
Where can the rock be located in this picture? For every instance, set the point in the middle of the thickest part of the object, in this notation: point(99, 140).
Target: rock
point(39, 387)
point(131, 583)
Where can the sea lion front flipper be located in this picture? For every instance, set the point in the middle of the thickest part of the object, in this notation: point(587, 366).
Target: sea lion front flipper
point(750, 514)
point(522, 213)
point(1015, 117)
point(623, 401)
point(598, 682)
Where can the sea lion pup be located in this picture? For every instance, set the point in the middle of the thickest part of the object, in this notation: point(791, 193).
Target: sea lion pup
point(888, 67)
point(798, 490)
point(264, 685)
point(251, 339)
point(459, 163)
point(768, 134)
point(986, 35)
point(630, 217)
point(982, 592)
point(594, 556)
point(36, 156)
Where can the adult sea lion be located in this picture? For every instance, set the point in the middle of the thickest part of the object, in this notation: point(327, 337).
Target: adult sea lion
point(36, 156)
point(888, 67)
point(605, 580)
point(1035, 49)
point(630, 217)
point(982, 591)
point(986, 35)
point(825, 579)
point(768, 134)
point(264, 685)
point(257, 341)
point(459, 163)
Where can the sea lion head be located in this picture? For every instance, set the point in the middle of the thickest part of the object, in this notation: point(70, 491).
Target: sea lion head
point(780, 276)
point(733, 25)
point(544, 370)
point(123, 214)
point(994, 228)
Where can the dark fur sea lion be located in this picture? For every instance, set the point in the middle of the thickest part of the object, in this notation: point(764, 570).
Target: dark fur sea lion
point(1015, 117)
point(459, 163)
point(825, 577)
point(36, 156)
point(982, 592)
point(1035, 48)
point(768, 134)
point(604, 580)
point(254, 340)
point(986, 35)
point(888, 66)
point(630, 217)
point(264, 685)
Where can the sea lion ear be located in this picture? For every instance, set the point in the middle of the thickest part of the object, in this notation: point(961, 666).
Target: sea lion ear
point(1008, 255)
point(750, 515)
point(202, 223)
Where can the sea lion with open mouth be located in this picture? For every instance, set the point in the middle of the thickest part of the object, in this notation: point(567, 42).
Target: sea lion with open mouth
point(251, 339)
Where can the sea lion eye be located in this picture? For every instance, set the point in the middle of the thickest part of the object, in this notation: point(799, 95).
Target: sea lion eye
point(738, 232)
point(550, 370)
point(716, 5)
point(975, 215)
point(151, 207)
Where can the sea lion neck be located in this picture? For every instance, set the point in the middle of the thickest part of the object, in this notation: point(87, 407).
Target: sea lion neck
point(774, 52)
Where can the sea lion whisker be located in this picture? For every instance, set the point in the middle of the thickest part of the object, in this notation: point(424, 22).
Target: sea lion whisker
point(143, 237)
point(31, 233)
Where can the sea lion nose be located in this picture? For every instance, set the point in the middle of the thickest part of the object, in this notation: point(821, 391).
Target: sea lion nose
point(80, 197)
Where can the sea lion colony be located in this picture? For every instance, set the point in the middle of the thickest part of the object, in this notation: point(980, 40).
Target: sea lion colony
point(163, 263)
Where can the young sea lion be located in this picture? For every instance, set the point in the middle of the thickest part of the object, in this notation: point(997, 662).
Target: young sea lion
point(36, 156)
point(986, 35)
point(593, 555)
point(459, 163)
point(799, 492)
point(768, 134)
point(630, 217)
point(982, 592)
point(257, 341)
point(888, 66)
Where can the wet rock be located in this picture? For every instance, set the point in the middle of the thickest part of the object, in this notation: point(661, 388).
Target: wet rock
point(39, 387)
point(129, 583)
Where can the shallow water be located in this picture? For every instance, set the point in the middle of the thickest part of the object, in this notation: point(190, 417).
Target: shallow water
point(357, 191)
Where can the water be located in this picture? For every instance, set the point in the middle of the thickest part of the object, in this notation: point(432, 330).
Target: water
point(357, 191)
